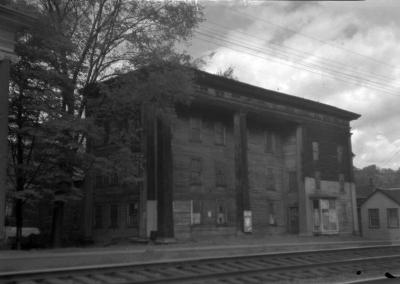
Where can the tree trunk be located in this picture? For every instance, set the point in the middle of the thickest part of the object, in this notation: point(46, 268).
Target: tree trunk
point(19, 223)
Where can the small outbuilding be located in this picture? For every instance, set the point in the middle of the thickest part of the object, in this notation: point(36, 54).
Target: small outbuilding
point(380, 214)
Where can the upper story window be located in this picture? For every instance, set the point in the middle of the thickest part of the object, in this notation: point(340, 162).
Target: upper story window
point(219, 131)
point(315, 151)
point(339, 154)
point(220, 174)
point(292, 181)
point(195, 170)
point(269, 142)
point(195, 129)
point(373, 218)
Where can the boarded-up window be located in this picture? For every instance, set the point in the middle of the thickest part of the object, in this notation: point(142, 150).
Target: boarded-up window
point(195, 129)
point(114, 216)
point(132, 217)
point(221, 212)
point(392, 218)
point(220, 174)
point(195, 170)
point(315, 151)
point(292, 181)
point(219, 131)
point(196, 212)
point(341, 182)
point(98, 216)
point(318, 180)
point(373, 218)
point(272, 210)
point(339, 154)
point(269, 142)
point(270, 179)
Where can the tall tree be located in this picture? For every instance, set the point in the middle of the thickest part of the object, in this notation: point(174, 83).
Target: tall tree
point(74, 45)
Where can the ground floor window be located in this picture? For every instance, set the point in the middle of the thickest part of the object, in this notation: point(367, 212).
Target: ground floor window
point(114, 216)
point(98, 217)
point(373, 218)
point(392, 218)
point(133, 214)
point(325, 216)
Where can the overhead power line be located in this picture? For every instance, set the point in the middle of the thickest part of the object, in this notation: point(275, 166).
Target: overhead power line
point(253, 18)
point(212, 36)
point(304, 54)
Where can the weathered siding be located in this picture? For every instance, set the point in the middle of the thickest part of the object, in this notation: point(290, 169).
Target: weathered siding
point(206, 195)
point(382, 202)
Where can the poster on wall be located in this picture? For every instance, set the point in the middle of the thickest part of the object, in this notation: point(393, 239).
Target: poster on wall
point(247, 221)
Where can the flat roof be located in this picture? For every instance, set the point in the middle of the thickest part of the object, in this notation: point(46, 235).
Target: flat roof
point(252, 91)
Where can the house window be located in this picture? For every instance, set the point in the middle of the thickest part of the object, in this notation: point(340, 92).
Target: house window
point(340, 154)
point(270, 179)
point(392, 218)
point(318, 180)
point(133, 214)
point(315, 151)
point(341, 182)
point(195, 171)
point(269, 142)
point(219, 130)
point(220, 174)
point(292, 181)
point(195, 129)
point(114, 216)
point(98, 216)
point(373, 218)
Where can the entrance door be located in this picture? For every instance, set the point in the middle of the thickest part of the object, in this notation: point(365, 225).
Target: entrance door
point(294, 220)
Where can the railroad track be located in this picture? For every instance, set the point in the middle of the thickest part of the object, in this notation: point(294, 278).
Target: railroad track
point(260, 268)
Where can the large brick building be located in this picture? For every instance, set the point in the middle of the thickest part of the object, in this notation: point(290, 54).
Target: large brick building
point(238, 159)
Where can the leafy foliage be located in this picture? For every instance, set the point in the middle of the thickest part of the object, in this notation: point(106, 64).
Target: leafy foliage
point(74, 46)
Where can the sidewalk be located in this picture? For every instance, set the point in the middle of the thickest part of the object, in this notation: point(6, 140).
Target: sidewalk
point(135, 253)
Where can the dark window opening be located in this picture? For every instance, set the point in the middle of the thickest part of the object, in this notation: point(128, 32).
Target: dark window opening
point(373, 218)
point(392, 218)
point(195, 171)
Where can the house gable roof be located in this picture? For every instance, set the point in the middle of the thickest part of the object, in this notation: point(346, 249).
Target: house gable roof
point(393, 194)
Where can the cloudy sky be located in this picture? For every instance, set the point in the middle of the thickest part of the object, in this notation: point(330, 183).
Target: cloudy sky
point(345, 54)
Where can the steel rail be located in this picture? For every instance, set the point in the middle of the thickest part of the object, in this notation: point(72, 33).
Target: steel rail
point(14, 277)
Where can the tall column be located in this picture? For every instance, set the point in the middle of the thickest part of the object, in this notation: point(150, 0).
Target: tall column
point(356, 228)
point(88, 185)
point(150, 182)
point(241, 168)
point(4, 78)
point(304, 204)
point(164, 166)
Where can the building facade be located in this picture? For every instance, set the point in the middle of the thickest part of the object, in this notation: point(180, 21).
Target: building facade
point(239, 159)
